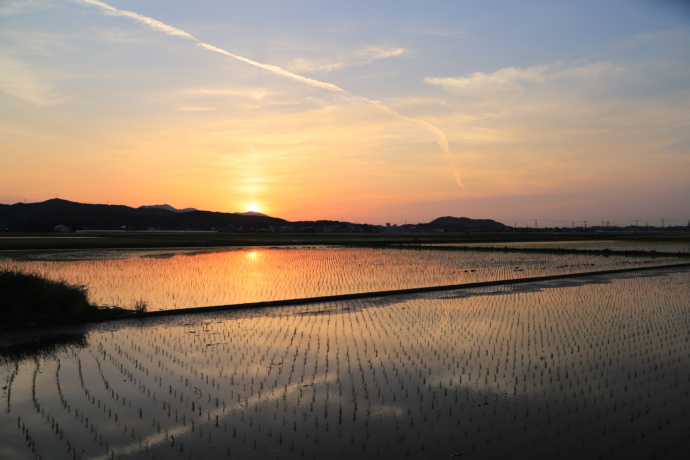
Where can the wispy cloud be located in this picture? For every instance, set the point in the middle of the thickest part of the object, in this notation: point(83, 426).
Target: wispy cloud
point(257, 94)
point(379, 52)
point(117, 35)
point(651, 38)
point(371, 53)
point(312, 65)
point(352, 59)
point(214, 99)
point(11, 8)
point(26, 82)
point(513, 77)
point(44, 43)
point(541, 122)
point(35, 64)
point(175, 32)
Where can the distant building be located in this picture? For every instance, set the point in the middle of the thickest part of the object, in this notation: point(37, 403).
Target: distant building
point(62, 229)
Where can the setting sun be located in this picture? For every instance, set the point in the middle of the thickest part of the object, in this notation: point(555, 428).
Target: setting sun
point(539, 123)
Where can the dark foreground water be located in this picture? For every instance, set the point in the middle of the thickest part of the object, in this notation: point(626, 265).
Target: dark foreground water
point(590, 368)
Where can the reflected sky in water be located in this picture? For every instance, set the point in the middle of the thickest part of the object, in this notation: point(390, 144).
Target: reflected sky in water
point(191, 278)
point(552, 370)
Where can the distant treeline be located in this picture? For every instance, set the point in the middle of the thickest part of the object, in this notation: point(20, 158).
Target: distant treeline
point(68, 216)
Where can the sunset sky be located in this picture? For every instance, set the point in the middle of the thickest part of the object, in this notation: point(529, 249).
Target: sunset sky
point(365, 111)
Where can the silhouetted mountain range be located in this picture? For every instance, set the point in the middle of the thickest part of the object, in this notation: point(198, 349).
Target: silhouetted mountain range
point(465, 224)
point(251, 213)
point(47, 215)
point(168, 207)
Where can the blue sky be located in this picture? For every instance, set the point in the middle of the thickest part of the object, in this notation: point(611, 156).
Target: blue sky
point(374, 111)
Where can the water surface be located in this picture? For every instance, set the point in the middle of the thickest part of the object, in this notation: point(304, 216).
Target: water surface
point(184, 278)
point(588, 368)
point(598, 245)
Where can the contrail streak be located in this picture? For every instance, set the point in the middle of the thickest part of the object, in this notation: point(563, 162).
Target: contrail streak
point(149, 22)
point(275, 69)
point(174, 31)
point(441, 138)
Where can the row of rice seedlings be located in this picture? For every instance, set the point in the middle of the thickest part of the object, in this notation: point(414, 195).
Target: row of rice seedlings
point(239, 276)
point(611, 245)
point(50, 425)
point(592, 369)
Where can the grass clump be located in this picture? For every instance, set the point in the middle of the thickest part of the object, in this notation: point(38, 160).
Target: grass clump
point(27, 298)
point(140, 307)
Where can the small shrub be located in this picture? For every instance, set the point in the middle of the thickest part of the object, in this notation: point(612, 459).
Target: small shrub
point(140, 307)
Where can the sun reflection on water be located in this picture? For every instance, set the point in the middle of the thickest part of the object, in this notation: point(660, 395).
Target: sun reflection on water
point(174, 279)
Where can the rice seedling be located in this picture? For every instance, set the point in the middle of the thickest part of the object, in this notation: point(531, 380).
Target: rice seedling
point(187, 279)
point(553, 370)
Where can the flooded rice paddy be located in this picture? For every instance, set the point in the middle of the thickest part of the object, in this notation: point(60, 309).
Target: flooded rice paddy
point(181, 278)
point(597, 367)
point(596, 245)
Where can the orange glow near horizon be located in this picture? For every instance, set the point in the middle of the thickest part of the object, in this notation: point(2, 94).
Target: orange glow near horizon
point(329, 130)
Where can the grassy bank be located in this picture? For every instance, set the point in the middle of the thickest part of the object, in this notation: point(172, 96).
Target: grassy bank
point(28, 299)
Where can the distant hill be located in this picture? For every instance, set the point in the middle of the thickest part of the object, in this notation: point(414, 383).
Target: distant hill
point(68, 215)
point(47, 215)
point(464, 224)
point(167, 207)
point(251, 213)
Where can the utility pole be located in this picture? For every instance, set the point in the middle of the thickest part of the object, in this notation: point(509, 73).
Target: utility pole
point(535, 223)
point(585, 223)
